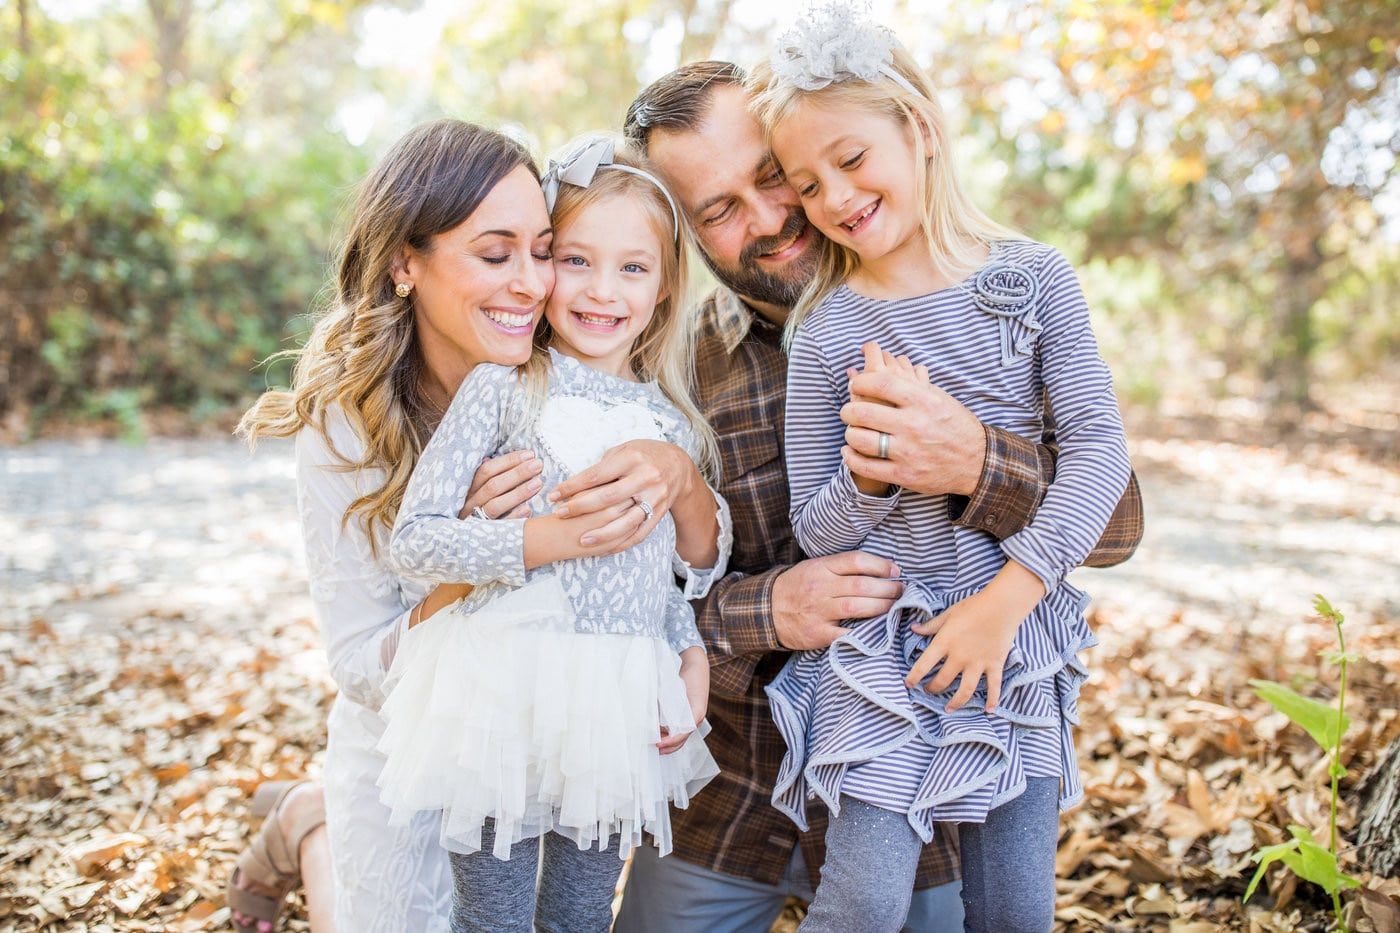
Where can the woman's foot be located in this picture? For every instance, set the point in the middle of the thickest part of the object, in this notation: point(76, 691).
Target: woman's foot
point(271, 866)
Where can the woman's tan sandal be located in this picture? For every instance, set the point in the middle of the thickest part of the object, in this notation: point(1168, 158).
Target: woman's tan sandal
point(272, 861)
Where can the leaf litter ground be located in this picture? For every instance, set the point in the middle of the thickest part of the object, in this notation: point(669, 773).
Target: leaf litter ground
point(158, 661)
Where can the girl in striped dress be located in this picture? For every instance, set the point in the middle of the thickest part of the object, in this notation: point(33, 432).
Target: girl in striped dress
point(958, 704)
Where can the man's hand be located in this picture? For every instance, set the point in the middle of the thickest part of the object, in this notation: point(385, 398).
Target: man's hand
point(936, 445)
point(810, 599)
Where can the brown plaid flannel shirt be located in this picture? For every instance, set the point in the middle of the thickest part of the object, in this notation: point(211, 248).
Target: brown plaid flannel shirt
point(731, 826)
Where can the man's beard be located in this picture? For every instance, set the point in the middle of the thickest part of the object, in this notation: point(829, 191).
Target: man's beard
point(749, 280)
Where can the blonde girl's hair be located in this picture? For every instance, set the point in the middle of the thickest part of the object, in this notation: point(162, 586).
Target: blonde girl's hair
point(363, 352)
point(955, 229)
point(665, 350)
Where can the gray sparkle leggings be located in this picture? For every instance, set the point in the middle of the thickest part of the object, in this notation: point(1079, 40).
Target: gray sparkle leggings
point(575, 887)
point(1008, 867)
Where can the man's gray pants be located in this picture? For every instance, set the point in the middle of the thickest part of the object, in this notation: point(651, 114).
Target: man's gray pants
point(668, 895)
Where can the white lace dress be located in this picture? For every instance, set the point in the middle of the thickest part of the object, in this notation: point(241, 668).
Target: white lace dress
point(388, 879)
point(537, 701)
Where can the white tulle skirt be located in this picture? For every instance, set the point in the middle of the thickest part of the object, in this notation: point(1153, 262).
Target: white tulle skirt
point(507, 713)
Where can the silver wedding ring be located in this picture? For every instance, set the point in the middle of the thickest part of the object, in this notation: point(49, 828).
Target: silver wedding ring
point(479, 512)
point(642, 504)
point(883, 451)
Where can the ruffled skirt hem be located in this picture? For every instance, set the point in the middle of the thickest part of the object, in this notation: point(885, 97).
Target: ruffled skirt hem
point(508, 714)
point(852, 727)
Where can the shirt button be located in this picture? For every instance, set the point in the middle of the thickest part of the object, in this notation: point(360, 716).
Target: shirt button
point(990, 521)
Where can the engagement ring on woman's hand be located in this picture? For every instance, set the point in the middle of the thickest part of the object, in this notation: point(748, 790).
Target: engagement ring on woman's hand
point(641, 503)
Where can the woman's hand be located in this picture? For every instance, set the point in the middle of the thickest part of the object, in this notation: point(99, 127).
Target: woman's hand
point(654, 472)
point(695, 674)
point(973, 637)
point(503, 486)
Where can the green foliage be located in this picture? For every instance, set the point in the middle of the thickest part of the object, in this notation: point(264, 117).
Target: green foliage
point(170, 172)
point(153, 253)
point(1302, 854)
point(1318, 719)
point(1305, 858)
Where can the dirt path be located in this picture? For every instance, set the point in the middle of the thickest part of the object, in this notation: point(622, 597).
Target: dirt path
point(94, 531)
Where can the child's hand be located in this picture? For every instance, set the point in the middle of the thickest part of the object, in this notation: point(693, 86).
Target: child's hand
point(549, 538)
point(877, 361)
point(972, 637)
point(695, 674)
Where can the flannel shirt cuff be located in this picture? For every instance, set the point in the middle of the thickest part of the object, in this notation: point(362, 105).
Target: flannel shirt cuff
point(1013, 482)
point(745, 609)
point(1124, 531)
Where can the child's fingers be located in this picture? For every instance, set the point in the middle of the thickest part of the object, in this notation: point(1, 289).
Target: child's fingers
point(993, 688)
point(624, 521)
point(950, 671)
point(925, 663)
point(970, 678)
point(874, 357)
point(671, 743)
point(921, 373)
point(889, 360)
point(929, 626)
point(644, 529)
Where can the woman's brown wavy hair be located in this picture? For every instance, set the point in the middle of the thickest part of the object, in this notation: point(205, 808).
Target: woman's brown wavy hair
point(363, 352)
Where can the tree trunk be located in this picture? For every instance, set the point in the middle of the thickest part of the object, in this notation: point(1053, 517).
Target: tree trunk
point(172, 22)
point(699, 39)
point(24, 27)
point(1378, 835)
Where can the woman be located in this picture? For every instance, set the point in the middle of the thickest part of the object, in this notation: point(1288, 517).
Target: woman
point(446, 260)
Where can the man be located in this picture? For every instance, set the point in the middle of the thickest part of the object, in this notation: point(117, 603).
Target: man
point(736, 858)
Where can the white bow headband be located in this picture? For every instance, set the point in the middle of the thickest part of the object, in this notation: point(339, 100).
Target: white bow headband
point(580, 166)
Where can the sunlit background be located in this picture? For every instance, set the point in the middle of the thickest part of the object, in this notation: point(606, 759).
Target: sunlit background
point(172, 173)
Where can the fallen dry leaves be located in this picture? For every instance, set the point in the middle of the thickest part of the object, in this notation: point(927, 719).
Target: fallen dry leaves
point(130, 754)
point(131, 741)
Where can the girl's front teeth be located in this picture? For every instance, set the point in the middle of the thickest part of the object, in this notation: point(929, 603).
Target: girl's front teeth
point(863, 214)
point(595, 319)
point(508, 320)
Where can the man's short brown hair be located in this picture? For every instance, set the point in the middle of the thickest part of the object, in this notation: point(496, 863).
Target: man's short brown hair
point(678, 100)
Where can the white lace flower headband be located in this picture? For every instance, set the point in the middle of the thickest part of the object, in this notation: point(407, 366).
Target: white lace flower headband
point(835, 42)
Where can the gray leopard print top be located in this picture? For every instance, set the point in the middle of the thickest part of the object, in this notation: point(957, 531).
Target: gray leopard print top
point(584, 413)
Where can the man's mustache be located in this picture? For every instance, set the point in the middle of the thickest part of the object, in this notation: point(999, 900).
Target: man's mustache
point(795, 224)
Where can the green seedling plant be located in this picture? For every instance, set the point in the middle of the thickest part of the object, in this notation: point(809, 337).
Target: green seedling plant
point(1302, 854)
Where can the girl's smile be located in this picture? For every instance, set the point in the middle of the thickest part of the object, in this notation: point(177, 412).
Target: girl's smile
point(855, 172)
point(607, 262)
point(862, 218)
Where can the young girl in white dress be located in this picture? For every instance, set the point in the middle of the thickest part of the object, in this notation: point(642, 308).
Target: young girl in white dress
point(557, 706)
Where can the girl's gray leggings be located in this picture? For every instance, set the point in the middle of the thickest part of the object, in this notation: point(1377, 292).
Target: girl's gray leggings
point(1008, 867)
point(575, 887)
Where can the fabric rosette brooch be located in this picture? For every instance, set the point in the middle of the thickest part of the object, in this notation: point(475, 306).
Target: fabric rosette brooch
point(1008, 291)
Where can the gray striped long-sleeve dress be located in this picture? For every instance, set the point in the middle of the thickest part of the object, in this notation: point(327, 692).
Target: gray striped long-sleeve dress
point(1001, 342)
